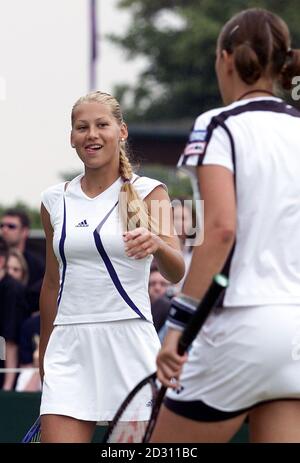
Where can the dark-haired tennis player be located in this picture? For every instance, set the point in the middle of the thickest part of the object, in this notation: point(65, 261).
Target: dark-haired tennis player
point(246, 157)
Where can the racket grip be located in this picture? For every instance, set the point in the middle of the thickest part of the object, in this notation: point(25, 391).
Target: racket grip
point(209, 301)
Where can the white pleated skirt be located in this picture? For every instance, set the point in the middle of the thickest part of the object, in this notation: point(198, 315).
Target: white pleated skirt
point(90, 368)
point(242, 357)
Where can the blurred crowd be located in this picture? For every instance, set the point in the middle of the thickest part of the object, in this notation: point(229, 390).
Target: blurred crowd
point(21, 275)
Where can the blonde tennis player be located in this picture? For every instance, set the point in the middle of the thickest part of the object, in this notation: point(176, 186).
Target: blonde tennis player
point(97, 336)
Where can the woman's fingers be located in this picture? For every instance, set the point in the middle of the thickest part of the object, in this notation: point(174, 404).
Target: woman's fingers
point(169, 364)
point(168, 376)
point(140, 243)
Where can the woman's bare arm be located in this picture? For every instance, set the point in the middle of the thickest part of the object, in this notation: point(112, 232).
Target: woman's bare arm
point(49, 291)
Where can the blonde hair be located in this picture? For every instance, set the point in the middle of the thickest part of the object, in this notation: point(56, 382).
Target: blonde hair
point(24, 267)
point(132, 209)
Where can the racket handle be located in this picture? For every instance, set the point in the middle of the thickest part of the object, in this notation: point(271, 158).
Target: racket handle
point(209, 301)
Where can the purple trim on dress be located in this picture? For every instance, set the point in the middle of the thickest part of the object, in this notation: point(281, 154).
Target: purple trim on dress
point(62, 255)
point(112, 273)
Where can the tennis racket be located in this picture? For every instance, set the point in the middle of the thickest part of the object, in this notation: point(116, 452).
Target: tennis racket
point(33, 435)
point(136, 417)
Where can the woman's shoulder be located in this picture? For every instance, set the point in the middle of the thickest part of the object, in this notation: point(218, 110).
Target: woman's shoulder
point(205, 118)
point(50, 195)
point(144, 185)
point(53, 193)
point(53, 190)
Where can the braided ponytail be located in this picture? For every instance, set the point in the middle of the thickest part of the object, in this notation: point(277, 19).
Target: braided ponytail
point(132, 209)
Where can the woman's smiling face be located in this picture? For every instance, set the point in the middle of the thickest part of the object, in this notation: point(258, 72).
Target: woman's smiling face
point(96, 134)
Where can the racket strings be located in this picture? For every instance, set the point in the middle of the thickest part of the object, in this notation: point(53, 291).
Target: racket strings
point(36, 439)
point(130, 432)
point(34, 434)
point(131, 421)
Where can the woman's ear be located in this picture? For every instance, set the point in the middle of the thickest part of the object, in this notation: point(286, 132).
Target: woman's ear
point(124, 131)
point(228, 60)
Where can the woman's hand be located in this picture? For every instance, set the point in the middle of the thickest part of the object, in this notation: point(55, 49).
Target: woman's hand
point(140, 243)
point(169, 363)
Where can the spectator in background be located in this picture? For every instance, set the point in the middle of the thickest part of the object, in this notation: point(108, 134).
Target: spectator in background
point(160, 293)
point(29, 330)
point(29, 379)
point(158, 285)
point(15, 226)
point(12, 308)
point(17, 266)
point(184, 225)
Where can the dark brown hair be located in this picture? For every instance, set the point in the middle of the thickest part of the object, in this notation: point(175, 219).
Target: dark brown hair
point(261, 44)
point(20, 214)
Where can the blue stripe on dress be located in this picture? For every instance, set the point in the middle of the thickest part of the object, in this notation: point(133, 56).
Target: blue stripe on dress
point(62, 255)
point(110, 268)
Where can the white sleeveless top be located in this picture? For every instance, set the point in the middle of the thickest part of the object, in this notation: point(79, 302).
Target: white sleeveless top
point(98, 281)
point(258, 140)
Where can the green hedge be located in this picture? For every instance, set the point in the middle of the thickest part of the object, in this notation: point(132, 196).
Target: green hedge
point(19, 410)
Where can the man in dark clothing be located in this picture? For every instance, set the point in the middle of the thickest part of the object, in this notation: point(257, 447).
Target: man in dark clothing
point(29, 330)
point(14, 227)
point(13, 308)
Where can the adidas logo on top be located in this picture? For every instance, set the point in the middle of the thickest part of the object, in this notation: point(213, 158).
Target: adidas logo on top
point(82, 224)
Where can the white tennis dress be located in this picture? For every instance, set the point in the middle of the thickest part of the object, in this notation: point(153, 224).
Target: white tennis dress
point(248, 351)
point(103, 342)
